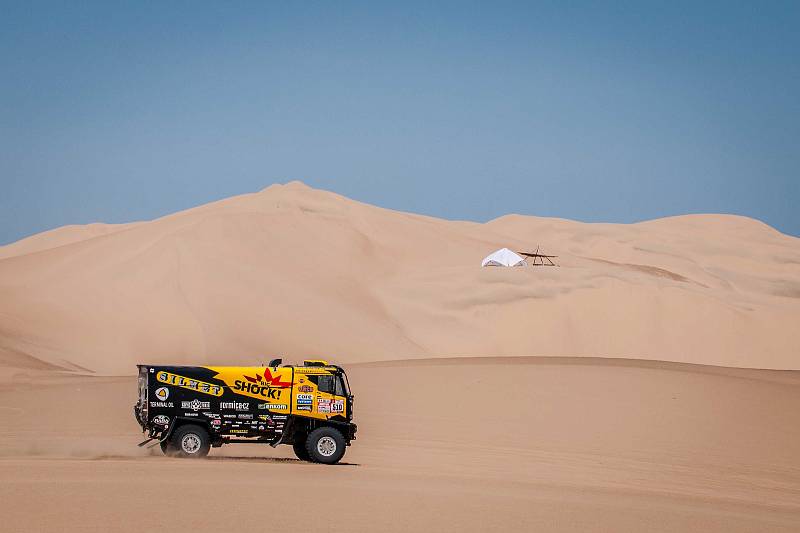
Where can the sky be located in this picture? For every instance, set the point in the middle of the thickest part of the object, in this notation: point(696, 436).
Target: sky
point(600, 112)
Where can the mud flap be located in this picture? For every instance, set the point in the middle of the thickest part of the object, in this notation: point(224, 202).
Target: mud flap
point(164, 435)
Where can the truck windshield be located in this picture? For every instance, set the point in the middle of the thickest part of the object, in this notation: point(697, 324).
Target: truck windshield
point(324, 383)
point(332, 384)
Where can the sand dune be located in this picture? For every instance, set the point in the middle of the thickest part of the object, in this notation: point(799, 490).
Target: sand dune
point(577, 398)
point(59, 237)
point(295, 271)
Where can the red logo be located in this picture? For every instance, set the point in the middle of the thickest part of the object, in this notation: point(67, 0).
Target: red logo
point(269, 379)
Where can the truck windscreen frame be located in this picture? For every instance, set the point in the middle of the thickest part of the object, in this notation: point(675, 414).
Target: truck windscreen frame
point(345, 383)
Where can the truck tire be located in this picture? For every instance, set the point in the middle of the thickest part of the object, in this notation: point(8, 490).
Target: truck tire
point(189, 441)
point(325, 445)
point(299, 447)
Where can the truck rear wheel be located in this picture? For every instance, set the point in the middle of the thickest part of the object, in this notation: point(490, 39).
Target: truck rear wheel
point(325, 445)
point(189, 441)
point(300, 451)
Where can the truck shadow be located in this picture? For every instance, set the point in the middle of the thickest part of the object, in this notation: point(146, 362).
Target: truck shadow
point(279, 460)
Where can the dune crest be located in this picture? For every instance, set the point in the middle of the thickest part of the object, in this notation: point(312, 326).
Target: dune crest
point(297, 271)
point(59, 237)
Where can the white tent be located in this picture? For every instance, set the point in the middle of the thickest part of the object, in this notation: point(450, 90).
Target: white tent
point(503, 257)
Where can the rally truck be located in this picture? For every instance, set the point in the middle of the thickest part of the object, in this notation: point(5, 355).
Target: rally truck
point(190, 409)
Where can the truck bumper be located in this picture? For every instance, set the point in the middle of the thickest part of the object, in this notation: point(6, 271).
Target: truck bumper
point(351, 432)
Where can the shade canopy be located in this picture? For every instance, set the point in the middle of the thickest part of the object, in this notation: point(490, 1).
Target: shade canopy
point(503, 257)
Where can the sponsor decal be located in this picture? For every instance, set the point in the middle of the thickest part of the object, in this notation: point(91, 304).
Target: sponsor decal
point(238, 431)
point(162, 404)
point(161, 420)
point(216, 422)
point(269, 379)
point(261, 428)
point(162, 393)
point(190, 414)
point(188, 383)
point(266, 419)
point(273, 406)
point(304, 399)
point(305, 388)
point(229, 416)
point(303, 407)
point(337, 406)
point(256, 389)
point(320, 371)
point(247, 416)
point(265, 385)
point(236, 406)
point(211, 415)
point(323, 405)
point(196, 405)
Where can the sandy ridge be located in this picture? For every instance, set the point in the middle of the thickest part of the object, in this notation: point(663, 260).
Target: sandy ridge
point(296, 271)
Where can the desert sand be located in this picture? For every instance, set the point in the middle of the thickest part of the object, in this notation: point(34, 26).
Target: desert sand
point(487, 444)
point(651, 382)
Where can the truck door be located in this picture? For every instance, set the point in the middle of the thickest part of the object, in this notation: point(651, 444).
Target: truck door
point(330, 399)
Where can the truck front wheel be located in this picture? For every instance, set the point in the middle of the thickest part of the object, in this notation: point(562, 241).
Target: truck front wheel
point(189, 441)
point(325, 445)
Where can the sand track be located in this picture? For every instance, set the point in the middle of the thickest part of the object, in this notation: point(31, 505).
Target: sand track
point(459, 444)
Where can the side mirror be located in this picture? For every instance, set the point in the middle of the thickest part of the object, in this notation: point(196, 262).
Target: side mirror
point(275, 362)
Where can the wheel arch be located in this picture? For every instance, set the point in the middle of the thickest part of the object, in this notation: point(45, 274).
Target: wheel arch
point(179, 421)
point(301, 426)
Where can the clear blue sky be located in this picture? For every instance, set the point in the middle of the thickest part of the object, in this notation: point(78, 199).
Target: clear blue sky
point(618, 112)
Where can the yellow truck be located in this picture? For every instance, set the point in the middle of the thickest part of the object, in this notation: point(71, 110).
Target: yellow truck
point(190, 409)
